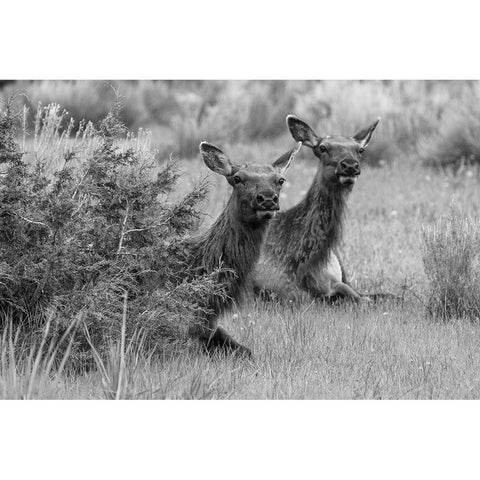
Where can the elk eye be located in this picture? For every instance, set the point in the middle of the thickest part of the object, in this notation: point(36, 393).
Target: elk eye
point(323, 148)
point(281, 181)
point(237, 179)
point(361, 150)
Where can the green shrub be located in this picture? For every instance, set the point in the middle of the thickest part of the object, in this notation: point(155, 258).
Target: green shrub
point(87, 219)
point(452, 263)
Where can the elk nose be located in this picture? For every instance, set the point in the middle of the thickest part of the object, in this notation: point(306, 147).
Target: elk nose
point(349, 167)
point(267, 201)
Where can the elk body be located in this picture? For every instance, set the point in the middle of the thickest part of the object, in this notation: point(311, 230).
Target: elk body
point(234, 241)
point(299, 259)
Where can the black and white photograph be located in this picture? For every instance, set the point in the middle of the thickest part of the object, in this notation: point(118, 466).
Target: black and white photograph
point(239, 240)
point(248, 239)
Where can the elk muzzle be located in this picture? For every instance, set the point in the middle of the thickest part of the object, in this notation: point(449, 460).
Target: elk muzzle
point(266, 204)
point(347, 171)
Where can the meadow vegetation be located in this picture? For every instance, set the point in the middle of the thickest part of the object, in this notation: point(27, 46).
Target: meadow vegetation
point(69, 330)
point(90, 237)
point(451, 259)
point(435, 119)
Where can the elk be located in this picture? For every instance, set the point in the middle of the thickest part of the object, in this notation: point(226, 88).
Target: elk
point(299, 258)
point(234, 240)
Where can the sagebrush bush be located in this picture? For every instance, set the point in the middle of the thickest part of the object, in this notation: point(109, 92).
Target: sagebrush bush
point(240, 111)
point(452, 263)
point(181, 113)
point(9, 149)
point(87, 219)
point(92, 99)
point(436, 120)
point(456, 141)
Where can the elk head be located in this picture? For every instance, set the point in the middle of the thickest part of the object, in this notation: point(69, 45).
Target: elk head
point(256, 187)
point(340, 156)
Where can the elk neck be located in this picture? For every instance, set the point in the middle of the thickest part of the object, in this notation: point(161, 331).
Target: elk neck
point(313, 227)
point(325, 204)
point(234, 243)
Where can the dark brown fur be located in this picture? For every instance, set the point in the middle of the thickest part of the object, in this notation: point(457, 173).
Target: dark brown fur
point(299, 255)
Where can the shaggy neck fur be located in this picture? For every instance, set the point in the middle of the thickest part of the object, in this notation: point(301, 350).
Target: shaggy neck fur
point(233, 245)
point(324, 207)
point(311, 229)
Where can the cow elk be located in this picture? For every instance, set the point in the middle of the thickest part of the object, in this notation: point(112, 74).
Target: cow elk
point(299, 258)
point(234, 241)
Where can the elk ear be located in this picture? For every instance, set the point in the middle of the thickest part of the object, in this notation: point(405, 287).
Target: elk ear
point(364, 136)
point(302, 132)
point(282, 163)
point(215, 159)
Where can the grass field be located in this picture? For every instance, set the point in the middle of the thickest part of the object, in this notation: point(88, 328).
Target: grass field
point(316, 351)
point(383, 351)
point(342, 353)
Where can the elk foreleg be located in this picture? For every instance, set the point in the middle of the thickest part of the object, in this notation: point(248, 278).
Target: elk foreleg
point(327, 287)
point(221, 340)
point(342, 290)
point(215, 338)
point(312, 284)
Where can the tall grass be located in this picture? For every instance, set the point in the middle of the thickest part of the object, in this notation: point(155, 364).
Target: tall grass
point(123, 361)
point(452, 263)
point(31, 365)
